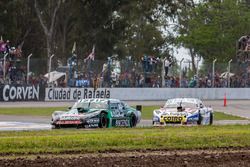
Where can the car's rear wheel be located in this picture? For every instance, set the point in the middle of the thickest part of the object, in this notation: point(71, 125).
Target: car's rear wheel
point(132, 120)
point(103, 120)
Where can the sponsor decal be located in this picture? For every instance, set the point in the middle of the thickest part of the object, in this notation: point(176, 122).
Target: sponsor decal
point(68, 122)
point(174, 113)
point(91, 126)
point(93, 121)
point(66, 117)
point(122, 122)
point(75, 93)
point(19, 93)
point(173, 119)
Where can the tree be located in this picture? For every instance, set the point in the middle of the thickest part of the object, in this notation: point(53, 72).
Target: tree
point(211, 29)
point(50, 27)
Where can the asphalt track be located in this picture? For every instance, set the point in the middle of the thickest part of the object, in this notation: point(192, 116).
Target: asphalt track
point(7, 123)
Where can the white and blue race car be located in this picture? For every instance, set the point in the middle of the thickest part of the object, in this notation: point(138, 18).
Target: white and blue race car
point(183, 111)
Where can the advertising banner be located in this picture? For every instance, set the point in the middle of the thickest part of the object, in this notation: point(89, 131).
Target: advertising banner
point(22, 93)
point(131, 94)
point(72, 94)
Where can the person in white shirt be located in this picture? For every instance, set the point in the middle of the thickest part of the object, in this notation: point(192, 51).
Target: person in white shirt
point(167, 63)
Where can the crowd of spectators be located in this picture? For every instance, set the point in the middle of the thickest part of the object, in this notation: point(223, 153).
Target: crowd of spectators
point(145, 73)
point(14, 71)
point(141, 79)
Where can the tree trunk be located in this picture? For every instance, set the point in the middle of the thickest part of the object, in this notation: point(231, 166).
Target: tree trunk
point(192, 54)
point(49, 50)
point(48, 31)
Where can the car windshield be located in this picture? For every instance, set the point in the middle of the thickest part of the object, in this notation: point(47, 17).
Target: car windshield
point(183, 104)
point(90, 105)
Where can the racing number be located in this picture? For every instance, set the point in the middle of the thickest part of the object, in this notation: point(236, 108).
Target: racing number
point(116, 110)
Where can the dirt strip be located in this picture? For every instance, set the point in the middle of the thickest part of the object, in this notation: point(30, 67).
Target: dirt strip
point(211, 157)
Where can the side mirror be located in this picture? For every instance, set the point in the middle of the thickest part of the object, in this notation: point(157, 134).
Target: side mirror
point(139, 108)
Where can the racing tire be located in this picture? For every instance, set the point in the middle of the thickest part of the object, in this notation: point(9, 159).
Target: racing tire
point(199, 120)
point(211, 119)
point(56, 127)
point(132, 120)
point(103, 120)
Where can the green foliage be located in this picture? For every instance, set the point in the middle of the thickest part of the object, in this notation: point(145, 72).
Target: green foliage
point(212, 28)
point(114, 26)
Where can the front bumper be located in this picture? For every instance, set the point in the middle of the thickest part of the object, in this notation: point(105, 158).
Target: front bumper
point(173, 119)
point(86, 123)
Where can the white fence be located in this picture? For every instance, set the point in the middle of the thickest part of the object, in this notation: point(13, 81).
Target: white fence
point(72, 94)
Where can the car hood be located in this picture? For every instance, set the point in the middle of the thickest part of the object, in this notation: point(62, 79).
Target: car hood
point(73, 114)
point(173, 111)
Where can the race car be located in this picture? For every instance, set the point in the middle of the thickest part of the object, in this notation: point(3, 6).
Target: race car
point(183, 111)
point(94, 113)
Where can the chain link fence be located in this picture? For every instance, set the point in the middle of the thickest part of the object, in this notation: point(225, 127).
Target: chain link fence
point(114, 72)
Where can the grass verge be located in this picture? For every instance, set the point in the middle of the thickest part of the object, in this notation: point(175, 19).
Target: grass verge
point(115, 139)
point(147, 112)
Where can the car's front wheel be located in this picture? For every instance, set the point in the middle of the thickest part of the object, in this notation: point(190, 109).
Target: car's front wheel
point(103, 120)
point(211, 119)
point(56, 127)
point(199, 119)
point(132, 120)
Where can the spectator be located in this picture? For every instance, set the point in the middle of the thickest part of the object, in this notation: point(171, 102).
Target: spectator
point(167, 64)
point(141, 81)
point(242, 42)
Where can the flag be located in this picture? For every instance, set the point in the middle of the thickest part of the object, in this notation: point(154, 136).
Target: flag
point(20, 45)
point(18, 50)
point(2, 45)
point(74, 48)
point(91, 56)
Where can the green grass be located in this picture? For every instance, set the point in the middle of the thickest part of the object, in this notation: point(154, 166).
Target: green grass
point(184, 137)
point(30, 111)
point(147, 112)
point(223, 116)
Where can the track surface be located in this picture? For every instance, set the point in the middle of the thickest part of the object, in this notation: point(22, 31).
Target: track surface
point(234, 107)
point(229, 157)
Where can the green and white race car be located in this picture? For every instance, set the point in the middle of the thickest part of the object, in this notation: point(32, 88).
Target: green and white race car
point(93, 113)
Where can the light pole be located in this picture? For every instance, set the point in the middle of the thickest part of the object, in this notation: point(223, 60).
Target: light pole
point(228, 72)
point(4, 66)
point(28, 68)
point(163, 73)
point(181, 70)
point(50, 59)
point(197, 71)
point(213, 72)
